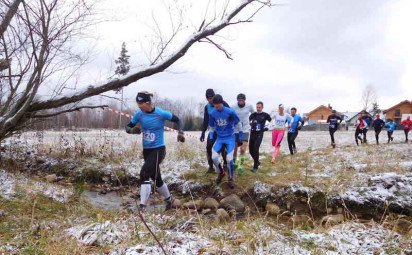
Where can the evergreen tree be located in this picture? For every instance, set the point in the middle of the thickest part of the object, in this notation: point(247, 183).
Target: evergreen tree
point(122, 62)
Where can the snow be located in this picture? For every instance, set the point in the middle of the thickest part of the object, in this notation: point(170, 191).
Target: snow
point(7, 187)
point(9, 182)
point(100, 234)
point(178, 243)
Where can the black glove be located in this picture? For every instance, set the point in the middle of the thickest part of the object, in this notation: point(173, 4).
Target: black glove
point(202, 137)
point(300, 127)
point(265, 129)
point(133, 130)
point(181, 137)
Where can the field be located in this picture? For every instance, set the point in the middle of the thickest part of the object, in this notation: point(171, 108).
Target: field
point(73, 193)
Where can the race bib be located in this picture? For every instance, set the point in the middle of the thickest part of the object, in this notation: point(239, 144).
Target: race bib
point(148, 136)
point(221, 122)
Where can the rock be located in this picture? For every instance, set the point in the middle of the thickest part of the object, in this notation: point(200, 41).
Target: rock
point(272, 209)
point(2, 214)
point(232, 202)
point(206, 211)
point(402, 225)
point(176, 203)
point(211, 203)
point(51, 178)
point(105, 179)
point(332, 219)
point(40, 161)
point(194, 205)
point(222, 215)
point(300, 220)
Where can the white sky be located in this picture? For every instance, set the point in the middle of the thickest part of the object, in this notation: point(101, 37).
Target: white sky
point(300, 53)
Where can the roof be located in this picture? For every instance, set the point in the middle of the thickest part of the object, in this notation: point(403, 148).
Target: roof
point(349, 115)
point(396, 105)
point(317, 108)
point(356, 114)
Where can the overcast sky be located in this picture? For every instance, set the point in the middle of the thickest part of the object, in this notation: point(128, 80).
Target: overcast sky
point(300, 53)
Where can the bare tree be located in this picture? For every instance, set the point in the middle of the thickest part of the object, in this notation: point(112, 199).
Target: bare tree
point(369, 97)
point(38, 43)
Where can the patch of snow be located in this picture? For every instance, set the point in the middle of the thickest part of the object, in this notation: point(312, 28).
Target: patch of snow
point(100, 233)
point(178, 243)
point(7, 187)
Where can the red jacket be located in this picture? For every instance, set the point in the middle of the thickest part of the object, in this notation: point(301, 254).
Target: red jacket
point(406, 124)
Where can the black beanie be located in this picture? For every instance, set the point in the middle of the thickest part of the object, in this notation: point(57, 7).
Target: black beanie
point(241, 96)
point(217, 99)
point(143, 97)
point(210, 93)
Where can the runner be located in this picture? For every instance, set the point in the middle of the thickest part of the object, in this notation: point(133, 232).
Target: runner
point(209, 142)
point(223, 120)
point(406, 127)
point(278, 126)
point(360, 125)
point(152, 120)
point(257, 122)
point(390, 127)
point(368, 120)
point(334, 120)
point(295, 125)
point(243, 111)
point(378, 124)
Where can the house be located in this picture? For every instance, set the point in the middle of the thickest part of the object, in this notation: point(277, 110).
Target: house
point(395, 112)
point(319, 114)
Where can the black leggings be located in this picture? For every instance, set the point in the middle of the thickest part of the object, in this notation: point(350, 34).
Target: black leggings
point(332, 134)
point(209, 146)
point(254, 145)
point(377, 132)
point(150, 169)
point(291, 142)
point(390, 136)
point(357, 133)
point(406, 134)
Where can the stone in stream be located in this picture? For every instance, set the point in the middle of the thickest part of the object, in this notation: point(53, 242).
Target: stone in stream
point(222, 215)
point(194, 205)
point(272, 209)
point(232, 202)
point(211, 203)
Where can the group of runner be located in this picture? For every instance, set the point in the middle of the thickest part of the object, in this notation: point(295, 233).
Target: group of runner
point(231, 131)
point(364, 122)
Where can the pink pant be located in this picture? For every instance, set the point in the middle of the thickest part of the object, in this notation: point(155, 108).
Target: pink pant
point(277, 136)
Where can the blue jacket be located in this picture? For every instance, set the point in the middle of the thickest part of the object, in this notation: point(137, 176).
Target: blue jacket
point(223, 122)
point(391, 126)
point(294, 123)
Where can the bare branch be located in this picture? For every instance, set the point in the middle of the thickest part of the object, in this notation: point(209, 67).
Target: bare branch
point(38, 116)
point(9, 15)
point(208, 40)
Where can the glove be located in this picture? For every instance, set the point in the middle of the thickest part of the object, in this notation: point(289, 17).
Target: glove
point(133, 130)
point(181, 137)
point(211, 135)
point(300, 127)
point(266, 129)
point(202, 137)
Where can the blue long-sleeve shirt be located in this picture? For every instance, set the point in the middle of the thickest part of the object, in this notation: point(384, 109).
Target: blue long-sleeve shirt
point(223, 122)
point(294, 123)
point(390, 126)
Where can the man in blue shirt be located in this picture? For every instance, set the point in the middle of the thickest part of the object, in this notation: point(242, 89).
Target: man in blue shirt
point(210, 142)
point(223, 120)
point(390, 127)
point(152, 122)
point(295, 124)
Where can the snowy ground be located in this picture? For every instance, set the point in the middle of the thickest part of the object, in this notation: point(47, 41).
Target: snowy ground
point(357, 172)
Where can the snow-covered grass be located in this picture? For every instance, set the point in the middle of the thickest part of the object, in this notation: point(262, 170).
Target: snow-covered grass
point(358, 172)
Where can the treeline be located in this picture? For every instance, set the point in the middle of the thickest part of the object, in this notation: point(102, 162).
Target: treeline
point(188, 110)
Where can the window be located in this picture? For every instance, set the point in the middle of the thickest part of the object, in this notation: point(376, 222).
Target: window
point(398, 112)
